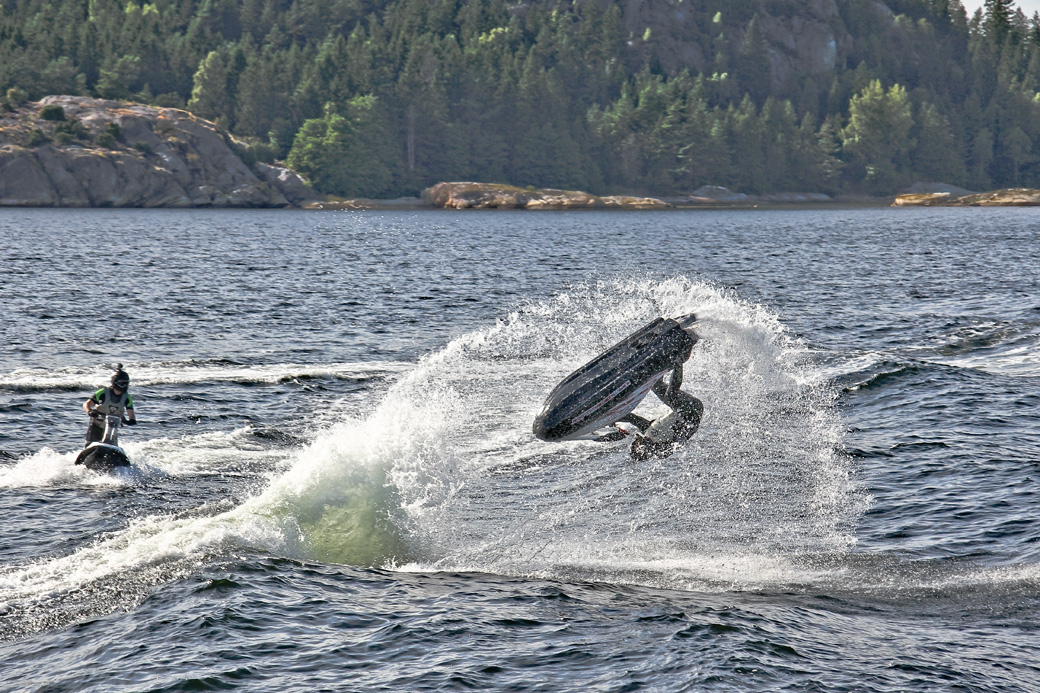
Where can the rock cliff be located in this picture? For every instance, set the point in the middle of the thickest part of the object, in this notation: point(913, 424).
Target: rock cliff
point(71, 151)
point(802, 37)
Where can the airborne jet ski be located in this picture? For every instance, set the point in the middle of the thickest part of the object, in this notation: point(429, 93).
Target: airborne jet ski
point(105, 455)
point(614, 383)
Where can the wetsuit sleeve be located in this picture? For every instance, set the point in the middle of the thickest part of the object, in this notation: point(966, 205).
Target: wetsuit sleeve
point(99, 395)
point(129, 402)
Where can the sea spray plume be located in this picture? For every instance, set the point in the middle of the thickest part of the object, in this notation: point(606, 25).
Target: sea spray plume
point(765, 477)
point(338, 493)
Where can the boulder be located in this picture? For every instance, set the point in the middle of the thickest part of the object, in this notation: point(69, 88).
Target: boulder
point(716, 193)
point(630, 202)
point(1011, 197)
point(921, 199)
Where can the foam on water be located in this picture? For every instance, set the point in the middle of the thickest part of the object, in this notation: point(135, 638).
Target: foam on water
point(189, 372)
point(150, 459)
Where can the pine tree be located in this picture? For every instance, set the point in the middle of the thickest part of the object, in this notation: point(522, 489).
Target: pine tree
point(878, 134)
point(209, 93)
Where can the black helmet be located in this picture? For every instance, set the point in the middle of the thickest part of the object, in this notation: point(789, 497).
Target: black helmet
point(120, 379)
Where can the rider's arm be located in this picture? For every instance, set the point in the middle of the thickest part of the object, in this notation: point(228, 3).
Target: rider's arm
point(89, 405)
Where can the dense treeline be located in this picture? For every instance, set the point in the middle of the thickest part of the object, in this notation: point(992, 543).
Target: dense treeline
point(384, 97)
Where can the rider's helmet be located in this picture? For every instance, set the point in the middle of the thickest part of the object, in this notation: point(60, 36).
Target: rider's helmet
point(120, 379)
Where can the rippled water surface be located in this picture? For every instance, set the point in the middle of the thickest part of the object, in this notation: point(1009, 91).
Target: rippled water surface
point(335, 487)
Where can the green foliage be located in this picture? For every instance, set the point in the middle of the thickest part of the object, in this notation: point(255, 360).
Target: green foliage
point(209, 93)
point(878, 134)
point(251, 153)
point(109, 137)
point(345, 155)
point(52, 112)
point(37, 137)
point(16, 96)
point(118, 76)
point(69, 130)
point(383, 97)
point(105, 140)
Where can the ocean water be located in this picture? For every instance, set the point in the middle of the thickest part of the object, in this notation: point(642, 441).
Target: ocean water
point(335, 487)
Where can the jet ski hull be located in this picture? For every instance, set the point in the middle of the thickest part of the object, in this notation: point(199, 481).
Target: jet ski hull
point(102, 457)
point(614, 383)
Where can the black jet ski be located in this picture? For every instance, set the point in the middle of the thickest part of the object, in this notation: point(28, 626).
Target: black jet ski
point(614, 383)
point(105, 455)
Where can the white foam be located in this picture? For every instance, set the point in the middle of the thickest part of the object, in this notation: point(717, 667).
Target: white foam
point(763, 476)
point(1022, 359)
point(149, 459)
point(181, 373)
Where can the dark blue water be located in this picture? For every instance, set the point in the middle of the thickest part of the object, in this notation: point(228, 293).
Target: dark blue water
point(335, 486)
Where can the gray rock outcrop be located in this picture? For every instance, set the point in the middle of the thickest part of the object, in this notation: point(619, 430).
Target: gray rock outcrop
point(162, 157)
point(803, 37)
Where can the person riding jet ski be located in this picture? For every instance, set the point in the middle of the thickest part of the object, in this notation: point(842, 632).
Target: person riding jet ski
point(110, 401)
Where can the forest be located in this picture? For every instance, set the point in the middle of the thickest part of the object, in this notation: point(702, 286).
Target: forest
point(380, 98)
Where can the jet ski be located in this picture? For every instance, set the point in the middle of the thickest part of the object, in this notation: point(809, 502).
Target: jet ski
point(614, 383)
point(105, 455)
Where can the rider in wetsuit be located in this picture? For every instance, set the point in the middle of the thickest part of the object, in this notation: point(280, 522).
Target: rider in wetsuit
point(662, 436)
point(114, 401)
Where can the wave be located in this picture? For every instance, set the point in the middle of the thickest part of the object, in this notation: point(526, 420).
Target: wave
point(190, 372)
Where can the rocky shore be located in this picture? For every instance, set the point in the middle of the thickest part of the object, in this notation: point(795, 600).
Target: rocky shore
point(1012, 197)
point(469, 195)
point(72, 151)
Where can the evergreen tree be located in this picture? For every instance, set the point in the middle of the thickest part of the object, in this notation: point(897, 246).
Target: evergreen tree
point(936, 156)
point(346, 154)
point(209, 93)
point(878, 135)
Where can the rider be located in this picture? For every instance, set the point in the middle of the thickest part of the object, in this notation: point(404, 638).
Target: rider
point(662, 436)
point(110, 401)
